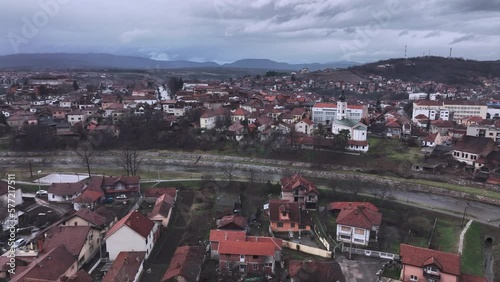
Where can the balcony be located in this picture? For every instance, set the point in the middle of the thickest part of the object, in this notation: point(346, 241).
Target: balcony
point(434, 275)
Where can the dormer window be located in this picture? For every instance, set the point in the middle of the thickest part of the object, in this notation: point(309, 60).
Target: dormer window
point(284, 214)
point(432, 268)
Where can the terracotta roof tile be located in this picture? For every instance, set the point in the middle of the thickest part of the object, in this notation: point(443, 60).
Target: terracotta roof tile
point(247, 248)
point(162, 206)
point(135, 221)
point(296, 181)
point(222, 235)
point(359, 216)
point(232, 221)
point(50, 266)
point(66, 189)
point(417, 256)
point(343, 205)
point(91, 217)
point(157, 192)
point(72, 237)
point(125, 267)
point(186, 263)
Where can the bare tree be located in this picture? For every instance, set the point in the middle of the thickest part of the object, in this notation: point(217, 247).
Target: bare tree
point(86, 154)
point(228, 174)
point(130, 161)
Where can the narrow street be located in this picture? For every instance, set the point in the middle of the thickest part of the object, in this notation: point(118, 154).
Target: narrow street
point(169, 240)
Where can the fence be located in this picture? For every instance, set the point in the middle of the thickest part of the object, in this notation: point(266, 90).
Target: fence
point(370, 253)
point(307, 249)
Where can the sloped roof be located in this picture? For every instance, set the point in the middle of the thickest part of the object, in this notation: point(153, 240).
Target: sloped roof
point(49, 266)
point(128, 180)
point(66, 189)
point(157, 192)
point(135, 221)
point(247, 248)
point(230, 235)
point(72, 237)
point(417, 256)
point(360, 217)
point(343, 205)
point(88, 196)
point(238, 220)
point(80, 276)
point(91, 217)
point(277, 206)
point(186, 262)
point(162, 206)
point(472, 144)
point(296, 181)
point(125, 266)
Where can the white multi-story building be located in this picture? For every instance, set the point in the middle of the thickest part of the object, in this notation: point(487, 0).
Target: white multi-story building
point(488, 131)
point(433, 110)
point(358, 131)
point(464, 109)
point(326, 113)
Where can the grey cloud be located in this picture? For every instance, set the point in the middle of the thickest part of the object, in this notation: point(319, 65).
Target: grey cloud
point(463, 38)
point(404, 32)
point(432, 34)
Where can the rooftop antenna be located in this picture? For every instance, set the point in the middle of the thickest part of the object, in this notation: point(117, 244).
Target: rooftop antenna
point(450, 51)
point(406, 48)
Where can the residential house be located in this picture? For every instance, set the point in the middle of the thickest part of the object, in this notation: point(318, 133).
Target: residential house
point(314, 270)
point(393, 129)
point(128, 185)
point(432, 110)
point(176, 108)
point(88, 199)
point(64, 192)
point(441, 126)
point(432, 140)
point(207, 119)
point(285, 216)
point(239, 115)
point(232, 222)
point(81, 241)
point(59, 113)
point(134, 232)
point(305, 126)
point(217, 236)
point(469, 149)
point(421, 264)
point(53, 265)
point(152, 194)
point(357, 223)
point(236, 131)
point(128, 266)
point(300, 190)
point(76, 116)
point(488, 131)
point(255, 255)
point(162, 210)
point(86, 217)
point(185, 265)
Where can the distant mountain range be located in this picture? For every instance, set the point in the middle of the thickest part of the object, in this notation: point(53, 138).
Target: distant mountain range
point(59, 61)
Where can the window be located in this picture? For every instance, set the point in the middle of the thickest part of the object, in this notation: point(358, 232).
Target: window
point(302, 226)
point(255, 266)
point(280, 224)
point(359, 231)
point(432, 268)
point(255, 257)
point(359, 241)
point(345, 228)
point(76, 223)
point(269, 264)
point(345, 237)
point(413, 278)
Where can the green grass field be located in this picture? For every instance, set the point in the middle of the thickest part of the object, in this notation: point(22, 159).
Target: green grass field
point(472, 256)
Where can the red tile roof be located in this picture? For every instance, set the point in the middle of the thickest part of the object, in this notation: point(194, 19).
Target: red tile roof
point(223, 235)
point(240, 112)
point(278, 206)
point(237, 221)
point(66, 189)
point(307, 121)
point(135, 221)
point(472, 144)
point(72, 237)
point(125, 267)
point(417, 256)
point(359, 216)
point(91, 217)
point(421, 116)
point(297, 181)
point(162, 206)
point(89, 196)
point(472, 278)
point(128, 180)
point(157, 192)
point(49, 267)
point(334, 105)
point(343, 205)
point(393, 124)
point(247, 248)
point(428, 103)
point(80, 276)
point(186, 263)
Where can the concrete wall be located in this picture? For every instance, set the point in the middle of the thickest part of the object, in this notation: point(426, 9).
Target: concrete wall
point(307, 249)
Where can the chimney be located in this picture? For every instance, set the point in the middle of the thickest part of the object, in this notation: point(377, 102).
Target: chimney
point(225, 236)
point(125, 260)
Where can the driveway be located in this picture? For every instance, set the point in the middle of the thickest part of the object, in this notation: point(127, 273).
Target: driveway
point(360, 269)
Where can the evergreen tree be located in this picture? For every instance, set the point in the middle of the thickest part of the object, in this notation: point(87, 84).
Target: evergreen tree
point(75, 85)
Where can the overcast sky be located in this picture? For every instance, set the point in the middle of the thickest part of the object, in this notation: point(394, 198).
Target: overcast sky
point(295, 31)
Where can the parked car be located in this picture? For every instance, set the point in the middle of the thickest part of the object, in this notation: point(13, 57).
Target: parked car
point(41, 193)
point(122, 196)
point(19, 243)
point(108, 200)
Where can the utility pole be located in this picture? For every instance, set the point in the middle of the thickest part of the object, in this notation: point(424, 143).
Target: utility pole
point(38, 176)
point(350, 245)
point(31, 170)
point(463, 217)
